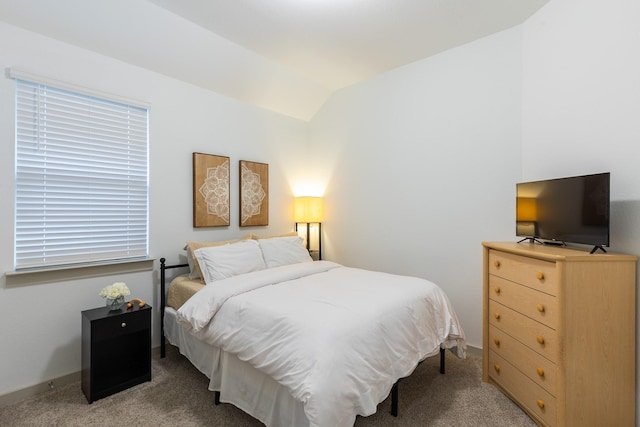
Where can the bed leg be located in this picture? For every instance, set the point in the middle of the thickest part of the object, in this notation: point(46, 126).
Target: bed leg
point(163, 351)
point(216, 397)
point(441, 360)
point(163, 296)
point(394, 399)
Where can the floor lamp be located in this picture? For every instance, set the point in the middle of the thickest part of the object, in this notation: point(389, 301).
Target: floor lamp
point(308, 210)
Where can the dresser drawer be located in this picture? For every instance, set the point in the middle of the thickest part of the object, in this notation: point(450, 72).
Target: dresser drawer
point(532, 397)
point(537, 368)
point(534, 304)
point(537, 274)
point(538, 337)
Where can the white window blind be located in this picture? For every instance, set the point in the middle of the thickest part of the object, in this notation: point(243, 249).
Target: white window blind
point(81, 191)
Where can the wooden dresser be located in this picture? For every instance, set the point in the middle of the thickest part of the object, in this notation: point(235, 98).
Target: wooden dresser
point(559, 332)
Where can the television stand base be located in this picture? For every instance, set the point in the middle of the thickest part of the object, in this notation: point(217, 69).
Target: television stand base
point(531, 240)
point(596, 247)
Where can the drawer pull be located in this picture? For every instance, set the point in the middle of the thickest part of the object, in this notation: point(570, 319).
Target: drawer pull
point(497, 368)
point(540, 308)
point(124, 324)
point(496, 263)
point(496, 341)
point(540, 372)
point(540, 404)
point(540, 275)
point(497, 316)
point(497, 290)
point(540, 339)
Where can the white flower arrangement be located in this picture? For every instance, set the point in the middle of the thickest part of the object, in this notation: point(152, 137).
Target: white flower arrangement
point(118, 289)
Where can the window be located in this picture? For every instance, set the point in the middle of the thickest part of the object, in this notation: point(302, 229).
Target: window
point(81, 182)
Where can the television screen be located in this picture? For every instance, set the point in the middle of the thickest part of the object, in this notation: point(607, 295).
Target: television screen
point(573, 209)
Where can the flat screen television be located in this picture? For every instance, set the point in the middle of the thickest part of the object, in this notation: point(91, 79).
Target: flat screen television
point(573, 209)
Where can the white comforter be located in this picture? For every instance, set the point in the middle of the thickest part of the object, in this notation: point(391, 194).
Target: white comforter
point(337, 338)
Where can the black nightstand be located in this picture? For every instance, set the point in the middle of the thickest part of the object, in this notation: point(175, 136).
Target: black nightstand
point(116, 350)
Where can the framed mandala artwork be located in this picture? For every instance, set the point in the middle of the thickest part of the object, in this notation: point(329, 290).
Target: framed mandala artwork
point(210, 190)
point(254, 193)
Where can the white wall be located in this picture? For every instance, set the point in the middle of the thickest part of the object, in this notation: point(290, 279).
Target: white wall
point(40, 324)
point(581, 102)
point(582, 93)
point(420, 166)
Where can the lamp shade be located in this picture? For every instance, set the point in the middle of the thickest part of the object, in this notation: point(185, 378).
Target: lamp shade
point(308, 209)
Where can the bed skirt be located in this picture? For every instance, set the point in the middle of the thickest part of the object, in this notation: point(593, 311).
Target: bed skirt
point(238, 382)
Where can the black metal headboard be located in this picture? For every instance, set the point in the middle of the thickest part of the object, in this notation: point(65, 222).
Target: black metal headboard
point(163, 296)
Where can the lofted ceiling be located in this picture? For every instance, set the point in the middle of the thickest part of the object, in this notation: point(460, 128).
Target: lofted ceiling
point(283, 55)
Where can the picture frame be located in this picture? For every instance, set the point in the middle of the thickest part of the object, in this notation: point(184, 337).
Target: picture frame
point(211, 189)
point(254, 193)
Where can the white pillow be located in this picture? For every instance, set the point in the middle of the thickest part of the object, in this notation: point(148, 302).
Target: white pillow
point(279, 251)
point(221, 262)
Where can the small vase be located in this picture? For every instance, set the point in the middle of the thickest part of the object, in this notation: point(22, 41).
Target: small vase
point(116, 303)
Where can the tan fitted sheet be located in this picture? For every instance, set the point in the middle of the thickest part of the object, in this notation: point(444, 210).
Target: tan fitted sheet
point(181, 289)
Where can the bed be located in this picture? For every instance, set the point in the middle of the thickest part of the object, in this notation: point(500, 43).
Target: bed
point(298, 342)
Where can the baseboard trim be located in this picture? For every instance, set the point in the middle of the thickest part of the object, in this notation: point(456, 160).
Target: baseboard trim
point(27, 392)
point(474, 351)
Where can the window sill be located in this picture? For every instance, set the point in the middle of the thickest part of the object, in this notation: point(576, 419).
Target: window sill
point(34, 277)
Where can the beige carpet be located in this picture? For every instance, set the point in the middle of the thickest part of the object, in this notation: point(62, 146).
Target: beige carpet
point(178, 396)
